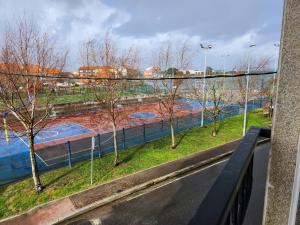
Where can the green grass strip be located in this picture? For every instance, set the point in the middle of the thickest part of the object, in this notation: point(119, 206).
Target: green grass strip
point(19, 197)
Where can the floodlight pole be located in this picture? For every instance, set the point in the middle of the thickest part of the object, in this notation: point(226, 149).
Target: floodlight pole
point(246, 94)
point(204, 82)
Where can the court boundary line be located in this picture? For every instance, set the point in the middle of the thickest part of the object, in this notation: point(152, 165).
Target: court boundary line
point(57, 133)
point(28, 147)
point(83, 150)
point(90, 131)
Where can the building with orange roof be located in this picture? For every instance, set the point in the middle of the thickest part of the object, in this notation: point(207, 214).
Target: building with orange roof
point(29, 69)
point(97, 72)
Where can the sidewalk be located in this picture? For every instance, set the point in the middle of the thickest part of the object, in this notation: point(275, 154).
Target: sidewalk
point(57, 210)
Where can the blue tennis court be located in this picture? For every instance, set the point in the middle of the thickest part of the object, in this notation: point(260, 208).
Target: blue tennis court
point(143, 115)
point(185, 103)
point(14, 154)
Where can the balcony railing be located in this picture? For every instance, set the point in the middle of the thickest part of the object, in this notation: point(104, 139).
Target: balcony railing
point(228, 198)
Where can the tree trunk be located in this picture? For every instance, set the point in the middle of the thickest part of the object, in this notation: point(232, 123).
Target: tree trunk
point(172, 134)
point(115, 144)
point(214, 132)
point(34, 169)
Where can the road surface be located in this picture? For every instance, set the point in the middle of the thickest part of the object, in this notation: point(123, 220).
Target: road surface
point(175, 201)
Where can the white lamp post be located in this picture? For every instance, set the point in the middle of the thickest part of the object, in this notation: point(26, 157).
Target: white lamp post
point(246, 94)
point(205, 48)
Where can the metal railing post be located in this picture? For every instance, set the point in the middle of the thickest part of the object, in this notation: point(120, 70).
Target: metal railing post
point(99, 147)
point(123, 138)
point(144, 132)
point(69, 153)
point(92, 157)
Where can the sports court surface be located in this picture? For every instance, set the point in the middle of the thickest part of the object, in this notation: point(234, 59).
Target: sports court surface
point(14, 154)
point(129, 116)
point(18, 144)
point(69, 128)
point(78, 129)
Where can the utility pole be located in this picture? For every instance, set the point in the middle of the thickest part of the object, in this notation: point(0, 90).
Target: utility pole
point(205, 48)
point(246, 94)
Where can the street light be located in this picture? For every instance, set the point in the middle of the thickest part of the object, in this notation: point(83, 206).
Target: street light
point(205, 48)
point(246, 94)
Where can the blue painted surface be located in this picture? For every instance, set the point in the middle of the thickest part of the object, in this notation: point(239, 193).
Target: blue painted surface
point(14, 154)
point(143, 115)
point(191, 104)
point(59, 132)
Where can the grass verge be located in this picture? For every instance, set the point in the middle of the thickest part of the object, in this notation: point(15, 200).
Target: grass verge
point(19, 197)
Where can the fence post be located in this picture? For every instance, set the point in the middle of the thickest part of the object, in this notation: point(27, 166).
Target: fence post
point(162, 125)
point(92, 157)
point(69, 153)
point(144, 132)
point(99, 141)
point(260, 103)
point(123, 138)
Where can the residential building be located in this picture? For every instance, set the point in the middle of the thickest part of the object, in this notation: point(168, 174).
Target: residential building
point(97, 72)
point(192, 72)
point(151, 71)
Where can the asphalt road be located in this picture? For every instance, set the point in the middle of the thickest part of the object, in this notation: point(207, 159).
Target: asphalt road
point(175, 202)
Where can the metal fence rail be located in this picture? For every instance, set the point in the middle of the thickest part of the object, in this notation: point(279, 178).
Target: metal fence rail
point(228, 198)
point(53, 157)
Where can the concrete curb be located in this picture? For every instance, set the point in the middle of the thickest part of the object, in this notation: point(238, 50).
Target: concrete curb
point(145, 185)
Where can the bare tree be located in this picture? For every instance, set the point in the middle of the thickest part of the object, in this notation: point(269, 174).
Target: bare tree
point(217, 95)
point(259, 65)
point(109, 92)
point(130, 60)
point(24, 53)
point(214, 92)
point(168, 90)
point(109, 97)
point(184, 55)
point(88, 53)
point(267, 91)
point(108, 53)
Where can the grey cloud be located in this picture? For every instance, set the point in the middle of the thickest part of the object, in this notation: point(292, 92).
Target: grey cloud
point(228, 24)
point(210, 19)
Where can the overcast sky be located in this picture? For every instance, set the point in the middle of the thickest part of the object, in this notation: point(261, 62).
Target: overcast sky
point(229, 25)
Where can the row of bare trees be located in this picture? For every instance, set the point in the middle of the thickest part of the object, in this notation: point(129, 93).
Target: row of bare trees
point(26, 51)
